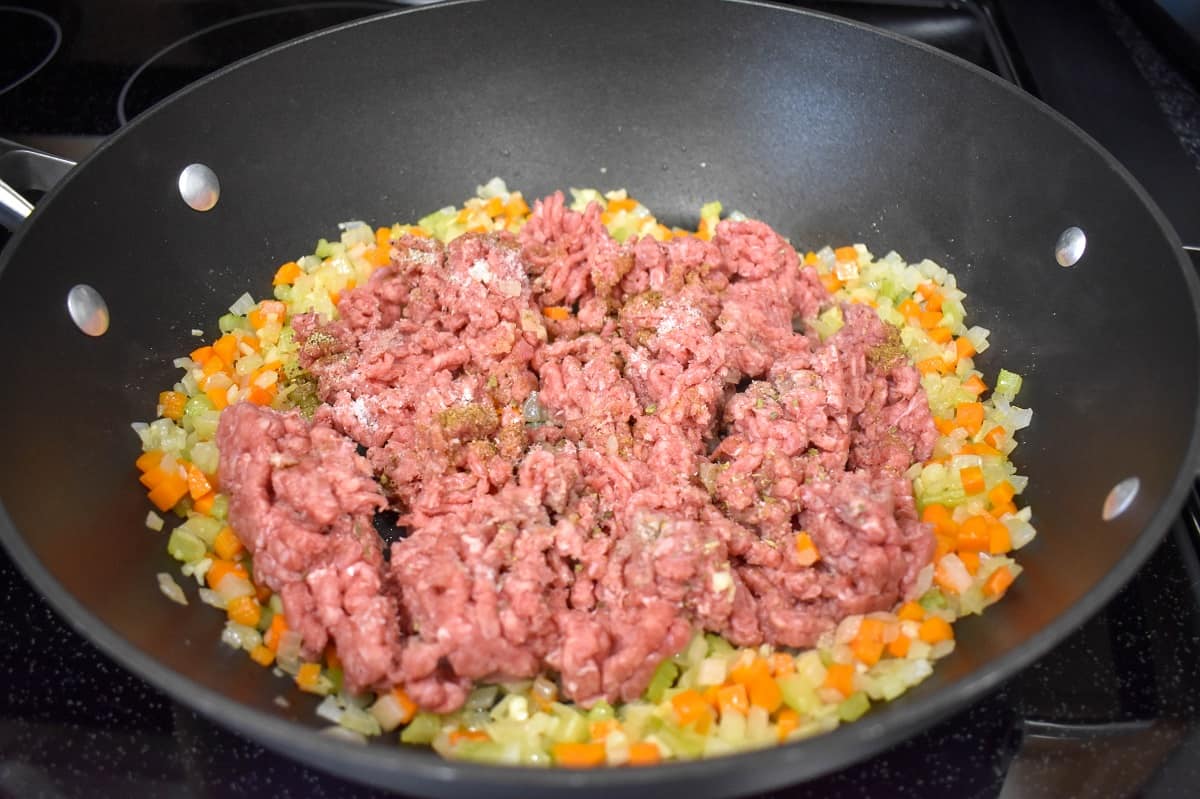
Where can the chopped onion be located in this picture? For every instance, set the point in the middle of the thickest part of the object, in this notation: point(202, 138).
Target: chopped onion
point(243, 305)
point(233, 586)
point(183, 363)
point(955, 573)
point(351, 224)
point(387, 712)
point(360, 721)
point(154, 521)
point(922, 583)
point(712, 671)
point(941, 649)
point(197, 332)
point(344, 734)
point(280, 700)
point(330, 710)
point(171, 589)
point(211, 597)
point(289, 646)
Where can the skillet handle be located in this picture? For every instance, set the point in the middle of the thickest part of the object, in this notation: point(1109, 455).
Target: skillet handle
point(24, 169)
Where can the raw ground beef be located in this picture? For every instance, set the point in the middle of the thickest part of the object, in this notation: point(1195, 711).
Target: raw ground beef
point(580, 495)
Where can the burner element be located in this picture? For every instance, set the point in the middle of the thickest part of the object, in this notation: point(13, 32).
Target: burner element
point(196, 55)
point(31, 40)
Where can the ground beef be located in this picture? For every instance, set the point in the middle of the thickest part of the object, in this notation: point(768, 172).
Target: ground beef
point(580, 495)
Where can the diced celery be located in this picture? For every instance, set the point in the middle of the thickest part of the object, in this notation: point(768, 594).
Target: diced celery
point(572, 726)
point(202, 527)
point(684, 743)
point(506, 754)
point(601, 711)
point(718, 646)
point(264, 619)
point(1008, 384)
point(854, 706)
point(798, 693)
point(580, 198)
point(324, 249)
point(664, 677)
point(205, 423)
point(933, 599)
point(231, 322)
point(483, 697)
point(710, 214)
point(828, 323)
point(185, 546)
point(441, 223)
point(422, 729)
point(205, 456)
point(360, 721)
point(220, 507)
point(337, 678)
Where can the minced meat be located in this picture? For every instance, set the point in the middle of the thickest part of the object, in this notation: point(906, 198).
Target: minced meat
point(580, 495)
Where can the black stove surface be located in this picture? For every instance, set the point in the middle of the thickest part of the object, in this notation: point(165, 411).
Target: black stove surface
point(1113, 711)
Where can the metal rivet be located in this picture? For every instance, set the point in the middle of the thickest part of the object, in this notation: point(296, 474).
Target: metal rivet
point(1070, 246)
point(199, 187)
point(88, 310)
point(1120, 498)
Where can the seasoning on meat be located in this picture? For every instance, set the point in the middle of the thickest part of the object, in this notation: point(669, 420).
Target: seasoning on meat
point(582, 493)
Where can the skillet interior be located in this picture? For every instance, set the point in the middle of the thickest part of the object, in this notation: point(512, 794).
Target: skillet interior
point(826, 131)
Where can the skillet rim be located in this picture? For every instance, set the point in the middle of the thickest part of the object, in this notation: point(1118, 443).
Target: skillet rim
point(776, 766)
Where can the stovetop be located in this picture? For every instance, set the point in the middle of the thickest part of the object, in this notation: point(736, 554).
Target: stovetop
point(1112, 711)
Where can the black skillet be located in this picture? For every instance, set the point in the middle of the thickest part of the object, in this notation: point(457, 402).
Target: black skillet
point(827, 130)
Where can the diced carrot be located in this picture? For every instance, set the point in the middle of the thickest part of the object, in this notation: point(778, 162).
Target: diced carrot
point(262, 655)
point(973, 534)
point(929, 319)
point(999, 539)
point(226, 348)
point(831, 282)
point(840, 677)
point(204, 504)
point(1003, 509)
point(782, 664)
point(244, 610)
point(516, 207)
point(939, 516)
point(627, 204)
point(867, 651)
point(970, 560)
point(331, 657)
point(944, 426)
point(870, 630)
point(810, 258)
point(558, 313)
point(691, 708)
point(383, 237)
point(975, 385)
point(788, 721)
point(972, 479)
point(747, 670)
point(278, 627)
point(149, 460)
point(287, 274)
point(599, 730)
point(964, 347)
point(572, 755)
point(898, 646)
point(909, 308)
point(1001, 492)
point(933, 301)
point(494, 206)
point(927, 289)
point(969, 415)
point(408, 708)
point(733, 697)
point(644, 753)
point(212, 366)
point(226, 545)
point(979, 448)
point(198, 484)
point(256, 318)
point(764, 692)
point(201, 354)
point(938, 365)
point(308, 675)
point(261, 396)
point(934, 630)
point(460, 735)
point(171, 488)
point(994, 437)
point(941, 335)
point(806, 550)
point(335, 296)
point(944, 544)
point(172, 403)
point(220, 568)
point(847, 253)
point(997, 582)
point(911, 611)
point(379, 255)
point(263, 594)
point(219, 397)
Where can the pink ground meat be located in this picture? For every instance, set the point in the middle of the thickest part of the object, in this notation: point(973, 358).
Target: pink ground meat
point(580, 496)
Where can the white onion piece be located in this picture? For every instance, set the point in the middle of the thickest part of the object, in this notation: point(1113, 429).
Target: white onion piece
point(233, 586)
point(171, 589)
point(242, 305)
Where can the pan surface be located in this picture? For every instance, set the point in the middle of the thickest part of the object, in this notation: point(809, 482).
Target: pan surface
point(826, 130)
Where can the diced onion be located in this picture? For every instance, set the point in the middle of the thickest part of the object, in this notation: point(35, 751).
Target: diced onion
point(211, 597)
point(387, 712)
point(330, 710)
point(233, 586)
point(712, 671)
point(344, 734)
point(171, 589)
point(154, 521)
point(242, 305)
